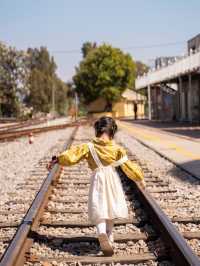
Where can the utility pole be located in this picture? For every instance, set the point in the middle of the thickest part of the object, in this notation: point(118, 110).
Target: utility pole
point(76, 105)
point(149, 102)
point(53, 99)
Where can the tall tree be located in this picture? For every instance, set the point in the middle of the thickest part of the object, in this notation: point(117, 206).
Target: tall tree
point(13, 79)
point(40, 96)
point(61, 97)
point(42, 79)
point(106, 73)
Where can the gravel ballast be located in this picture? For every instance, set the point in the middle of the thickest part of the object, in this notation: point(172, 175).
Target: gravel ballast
point(18, 158)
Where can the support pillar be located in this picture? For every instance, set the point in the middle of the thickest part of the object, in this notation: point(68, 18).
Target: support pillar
point(189, 97)
point(156, 103)
point(181, 100)
point(149, 102)
point(199, 97)
point(162, 111)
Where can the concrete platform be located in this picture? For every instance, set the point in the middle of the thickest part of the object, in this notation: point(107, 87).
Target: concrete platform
point(183, 149)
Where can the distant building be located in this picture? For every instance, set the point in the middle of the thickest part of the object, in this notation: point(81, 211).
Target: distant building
point(165, 61)
point(163, 102)
point(124, 107)
point(194, 44)
point(173, 87)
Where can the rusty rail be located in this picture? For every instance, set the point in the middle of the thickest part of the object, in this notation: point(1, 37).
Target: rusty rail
point(21, 124)
point(8, 136)
point(180, 251)
point(15, 253)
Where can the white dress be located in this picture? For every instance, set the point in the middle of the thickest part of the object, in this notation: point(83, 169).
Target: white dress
point(106, 196)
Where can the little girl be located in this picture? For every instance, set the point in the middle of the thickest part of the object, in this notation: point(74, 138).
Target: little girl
point(106, 197)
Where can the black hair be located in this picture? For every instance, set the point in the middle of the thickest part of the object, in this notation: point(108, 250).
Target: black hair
point(105, 124)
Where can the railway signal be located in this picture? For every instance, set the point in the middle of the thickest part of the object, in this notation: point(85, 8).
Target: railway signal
point(30, 138)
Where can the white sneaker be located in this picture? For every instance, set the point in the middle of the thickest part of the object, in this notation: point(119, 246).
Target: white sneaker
point(106, 245)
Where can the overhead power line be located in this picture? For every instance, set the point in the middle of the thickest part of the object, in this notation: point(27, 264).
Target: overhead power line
point(75, 51)
point(156, 45)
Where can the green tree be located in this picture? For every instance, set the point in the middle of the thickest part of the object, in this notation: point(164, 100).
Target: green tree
point(42, 78)
point(61, 97)
point(141, 68)
point(43, 81)
point(27, 80)
point(13, 79)
point(106, 73)
point(40, 96)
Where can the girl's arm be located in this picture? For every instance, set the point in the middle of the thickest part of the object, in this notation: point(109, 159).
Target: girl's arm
point(73, 155)
point(131, 169)
point(70, 157)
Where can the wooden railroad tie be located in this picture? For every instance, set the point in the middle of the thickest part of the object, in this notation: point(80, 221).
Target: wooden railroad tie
point(135, 258)
point(49, 223)
point(76, 238)
point(68, 201)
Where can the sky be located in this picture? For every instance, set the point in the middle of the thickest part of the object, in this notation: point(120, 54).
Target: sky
point(144, 28)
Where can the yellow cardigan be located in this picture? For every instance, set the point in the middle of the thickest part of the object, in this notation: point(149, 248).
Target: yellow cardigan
point(107, 151)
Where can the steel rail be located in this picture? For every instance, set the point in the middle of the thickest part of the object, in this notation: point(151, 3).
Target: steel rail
point(31, 122)
point(180, 251)
point(8, 119)
point(16, 134)
point(15, 253)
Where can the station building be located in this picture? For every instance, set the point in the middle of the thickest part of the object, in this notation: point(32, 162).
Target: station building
point(173, 86)
point(122, 108)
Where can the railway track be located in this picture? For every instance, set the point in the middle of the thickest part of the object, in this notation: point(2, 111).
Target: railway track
point(180, 209)
point(181, 205)
point(21, 124)
point(18, 131)
point(19, 200)
point(55, 230)
point(8, 120)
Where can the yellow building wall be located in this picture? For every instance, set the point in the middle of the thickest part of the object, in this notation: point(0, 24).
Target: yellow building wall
point(123, 108)
point(126, 108)
point(119, 109)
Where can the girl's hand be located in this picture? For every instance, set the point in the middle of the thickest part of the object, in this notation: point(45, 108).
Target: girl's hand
point(51, 164)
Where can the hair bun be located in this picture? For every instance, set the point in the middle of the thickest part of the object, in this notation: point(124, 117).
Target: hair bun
point(106, 125)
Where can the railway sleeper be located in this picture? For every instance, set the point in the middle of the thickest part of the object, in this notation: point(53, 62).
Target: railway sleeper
point(125, 259)
point(75, 238)
point(49, 223)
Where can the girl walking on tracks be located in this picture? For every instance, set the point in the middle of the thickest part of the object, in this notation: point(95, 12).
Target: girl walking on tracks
point(106, 197)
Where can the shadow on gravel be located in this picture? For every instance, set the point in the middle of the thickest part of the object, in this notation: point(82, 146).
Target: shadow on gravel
point(185, 174)
point(77, 246)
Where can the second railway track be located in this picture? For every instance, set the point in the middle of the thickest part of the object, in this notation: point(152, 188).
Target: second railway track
point(55, 230)
point(13, 133)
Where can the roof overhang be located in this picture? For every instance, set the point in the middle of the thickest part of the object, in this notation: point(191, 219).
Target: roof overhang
point(186, 65)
